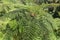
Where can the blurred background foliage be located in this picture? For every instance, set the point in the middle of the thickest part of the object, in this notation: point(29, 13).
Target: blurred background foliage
point(29, 20)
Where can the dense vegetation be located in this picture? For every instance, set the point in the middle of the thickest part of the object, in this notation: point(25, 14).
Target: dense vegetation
point(29, 19)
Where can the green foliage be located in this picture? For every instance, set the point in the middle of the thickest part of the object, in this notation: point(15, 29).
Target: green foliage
point(27, 22)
